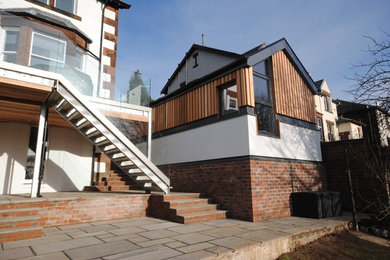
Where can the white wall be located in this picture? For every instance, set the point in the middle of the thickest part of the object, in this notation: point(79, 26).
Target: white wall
point(13, 157)
point(227, 138)
point(236, 137)
point(68, 167)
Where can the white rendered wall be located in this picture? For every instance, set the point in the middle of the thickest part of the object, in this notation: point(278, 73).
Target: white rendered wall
point(227, 138)
point(13, 157)
point(233, 138)
point(68, 167)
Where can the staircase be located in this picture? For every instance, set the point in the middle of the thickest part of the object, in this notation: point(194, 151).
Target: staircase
point(77, 110)
point(116, 181)
point(19, 221)
point(184, 208)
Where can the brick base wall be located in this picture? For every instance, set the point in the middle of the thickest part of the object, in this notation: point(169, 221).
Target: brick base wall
point(249, 188)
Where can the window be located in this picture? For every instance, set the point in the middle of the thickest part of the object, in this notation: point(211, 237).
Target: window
point(195, 57)
point(228, 99)
point(79, 59)
point(47, 52)
point(43, 1)
point(32, 146)
point(66, 5)
point(263, 97)
point(330, 132)
point(319, 128)
point(328, 103)
point(11, 45)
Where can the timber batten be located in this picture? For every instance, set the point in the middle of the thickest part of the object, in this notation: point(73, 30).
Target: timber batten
point(202, 102)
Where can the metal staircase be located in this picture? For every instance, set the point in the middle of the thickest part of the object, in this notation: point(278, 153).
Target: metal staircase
point(78, 111)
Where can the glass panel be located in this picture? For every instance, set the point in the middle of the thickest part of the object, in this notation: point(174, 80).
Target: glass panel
point(10, 57)
point(31, 153)
point(79, 59)
point(43, 1)
point(260, 68)
point(66, 5)
point(262, 93)
point(11, 41)
point(48, 47)
point(265, 118)
point(229, 100)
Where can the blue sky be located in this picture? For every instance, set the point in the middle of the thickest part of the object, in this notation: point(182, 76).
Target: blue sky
point(327, 35)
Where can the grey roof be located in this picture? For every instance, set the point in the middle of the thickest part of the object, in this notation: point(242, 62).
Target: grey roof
point(318, 83)
point(47, 17)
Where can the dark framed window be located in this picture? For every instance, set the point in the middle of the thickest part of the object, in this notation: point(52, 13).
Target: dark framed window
point(264, 103)
point(66, 5)
point(319, 128)
point(228, 99)
point(195, 57)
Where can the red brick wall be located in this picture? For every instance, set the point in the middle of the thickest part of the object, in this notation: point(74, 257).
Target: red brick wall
point(250, 189)
point(81, 210)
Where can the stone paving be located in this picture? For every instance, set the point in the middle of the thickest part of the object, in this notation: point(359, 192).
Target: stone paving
point(150, 238)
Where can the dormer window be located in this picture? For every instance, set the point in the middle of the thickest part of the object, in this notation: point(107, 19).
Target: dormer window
point(195, 58)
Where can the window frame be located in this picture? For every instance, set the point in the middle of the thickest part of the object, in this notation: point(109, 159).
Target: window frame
point(221, 89)
point(43, 57)
point(74, 11)
point(50, 4)
point(3, 51)
point(275, 131)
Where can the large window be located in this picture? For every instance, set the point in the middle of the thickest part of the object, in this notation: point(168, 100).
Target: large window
point(319, 128)
point(47, 52)
point(11, 45)
point(228, 99)
point(328, 103)
point(263, 97)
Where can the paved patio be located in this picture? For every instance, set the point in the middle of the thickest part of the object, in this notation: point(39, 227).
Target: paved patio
point(150, 238)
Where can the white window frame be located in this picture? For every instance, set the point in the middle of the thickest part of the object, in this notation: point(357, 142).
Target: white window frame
point(3, 37)
point(74, 7)
point(43, 57)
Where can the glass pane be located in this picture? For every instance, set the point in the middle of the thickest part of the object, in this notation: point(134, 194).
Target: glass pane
point(261, 90)
point(66, 5)
point(265, 118)
point(10, 57)
point(79, 59)
point(260, 68)
point(11, 41)
point(48, 47)
point(43, 1)
point(229, 100)
point(31, 153)
point(45, 64)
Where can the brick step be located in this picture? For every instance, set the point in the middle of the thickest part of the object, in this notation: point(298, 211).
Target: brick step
point(182, 196)
point(20, 205)
point(15, 212)
point(19, 222)
point(185, 202)
point(179, 210)
point(13, 234)
point(200, 216)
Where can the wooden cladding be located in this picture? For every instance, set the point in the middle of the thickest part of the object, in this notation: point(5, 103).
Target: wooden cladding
point(292, 96)
point(202, 101)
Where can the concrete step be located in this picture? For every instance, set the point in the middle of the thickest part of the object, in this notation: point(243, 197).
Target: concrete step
point(200, 216)
point(13, 234)
point(179, 210)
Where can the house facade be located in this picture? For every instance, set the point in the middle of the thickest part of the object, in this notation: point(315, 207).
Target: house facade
point(240, 128)
point(60, 128)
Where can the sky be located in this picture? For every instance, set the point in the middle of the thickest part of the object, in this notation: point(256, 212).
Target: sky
point(327, 36)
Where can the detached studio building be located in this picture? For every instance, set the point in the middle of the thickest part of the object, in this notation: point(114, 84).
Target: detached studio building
point(240, 128)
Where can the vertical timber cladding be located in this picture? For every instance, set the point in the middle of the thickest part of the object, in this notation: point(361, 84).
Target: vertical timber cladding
point(293, 97)
point(202, 101)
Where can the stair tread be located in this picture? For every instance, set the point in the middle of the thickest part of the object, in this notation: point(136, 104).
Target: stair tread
point(23, 229)
point(195, 206)
point(188, 200)
point(202, 213)
point(16, 219)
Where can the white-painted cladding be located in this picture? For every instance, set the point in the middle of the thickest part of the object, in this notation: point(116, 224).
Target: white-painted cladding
point(233, 138)
point(106, 77)
point(109, 28)
point(109, 14)
point(109, 44)
point(106, 60)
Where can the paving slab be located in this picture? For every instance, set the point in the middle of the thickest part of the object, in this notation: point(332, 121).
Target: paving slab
point(193, 238)
point(100, 250)
point(159, 233)
point(74, 226)
point(98, 228)
point(15, 253)
point(224, 231)
point(116, 238)
point(152, 253)
point(36, 241)
point(65, 245)
point(185, 229)
point(160, 226)
point(175, 244)
point(150, 243)
point(56, 256)
point(126, 230)
point(195, 247)
point(196, 255)
point(135, 222)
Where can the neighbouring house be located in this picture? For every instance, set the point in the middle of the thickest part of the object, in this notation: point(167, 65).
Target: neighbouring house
point(59, 125)
point(375, 121)
point(349, 128)
point(326, 112)
point(240, 128)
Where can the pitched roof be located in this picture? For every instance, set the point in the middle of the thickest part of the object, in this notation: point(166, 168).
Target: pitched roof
point(251, 57)
point(318, 83)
